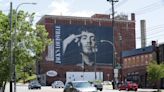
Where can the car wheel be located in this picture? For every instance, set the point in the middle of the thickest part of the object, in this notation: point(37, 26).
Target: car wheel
point(127, 89)
point(100, 89)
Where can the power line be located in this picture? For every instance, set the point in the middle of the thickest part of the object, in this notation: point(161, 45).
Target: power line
point(159, 35)
point(155, 32)
point(149, 8)
point(119, 4)
point(155, 27)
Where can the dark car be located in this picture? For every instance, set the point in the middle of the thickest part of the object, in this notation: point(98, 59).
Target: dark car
point(79, 86)
point(128, 86)
point(34, 85)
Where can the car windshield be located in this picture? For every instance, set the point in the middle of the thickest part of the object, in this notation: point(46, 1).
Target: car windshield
point(82, 84)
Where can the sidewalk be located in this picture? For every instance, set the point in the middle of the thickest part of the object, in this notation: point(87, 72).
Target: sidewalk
point(162, 90)
point(22, 84)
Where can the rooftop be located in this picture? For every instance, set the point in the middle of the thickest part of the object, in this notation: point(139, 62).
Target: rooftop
point(96, 17)
point(137, 51)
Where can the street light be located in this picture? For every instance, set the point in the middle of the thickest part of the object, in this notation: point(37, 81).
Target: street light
point(15, 41)
point(114, 50)
point(17, 11)
point(114, 62)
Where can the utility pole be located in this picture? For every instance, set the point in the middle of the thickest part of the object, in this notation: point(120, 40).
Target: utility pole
point(113, 22)
point(15, 39)
point(11, 54)
point(121, 71)
point(95, 65)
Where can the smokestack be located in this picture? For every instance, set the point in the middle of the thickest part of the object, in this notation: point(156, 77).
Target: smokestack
point(143, 33)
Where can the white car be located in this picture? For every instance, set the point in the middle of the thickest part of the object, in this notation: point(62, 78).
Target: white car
point(79, 86)
point(57, 84)
point(107, 85)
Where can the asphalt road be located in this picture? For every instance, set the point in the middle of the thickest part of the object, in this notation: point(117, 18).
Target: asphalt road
point(24, 88)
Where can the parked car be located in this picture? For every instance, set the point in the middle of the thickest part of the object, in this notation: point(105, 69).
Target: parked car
point(107, 85)
point(34, 85)
point(57, 84)
point(98, 86)
point(79, 86)
point(128, 86)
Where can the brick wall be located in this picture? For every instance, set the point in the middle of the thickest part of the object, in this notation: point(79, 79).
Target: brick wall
point(125, 28)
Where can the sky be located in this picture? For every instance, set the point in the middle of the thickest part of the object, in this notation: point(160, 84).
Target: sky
point(152, 11)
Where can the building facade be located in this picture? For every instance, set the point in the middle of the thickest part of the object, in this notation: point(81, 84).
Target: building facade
point(135, 63)
point(60, 27)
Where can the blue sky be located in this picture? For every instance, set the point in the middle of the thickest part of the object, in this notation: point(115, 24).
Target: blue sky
point(150, 10)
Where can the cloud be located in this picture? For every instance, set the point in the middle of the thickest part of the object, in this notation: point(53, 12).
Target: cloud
point(63, 7)
point(83, 13)
point(59, 7)
point(5, 6)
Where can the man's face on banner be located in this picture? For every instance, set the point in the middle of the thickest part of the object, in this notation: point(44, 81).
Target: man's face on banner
point(88, 42)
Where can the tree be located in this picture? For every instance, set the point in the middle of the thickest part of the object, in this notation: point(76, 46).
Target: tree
point(29, 43)
point(155, 72)
point(4, 39)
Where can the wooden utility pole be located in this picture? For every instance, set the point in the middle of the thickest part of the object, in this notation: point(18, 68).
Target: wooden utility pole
point(114, 51)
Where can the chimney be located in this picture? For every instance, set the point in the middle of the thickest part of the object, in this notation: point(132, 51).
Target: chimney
point(143, 33)
point(132, 16)
point(154, 43)
point(157, 50)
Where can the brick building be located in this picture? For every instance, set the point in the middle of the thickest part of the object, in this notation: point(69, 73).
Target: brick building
point(135, 62)
point(124, 32)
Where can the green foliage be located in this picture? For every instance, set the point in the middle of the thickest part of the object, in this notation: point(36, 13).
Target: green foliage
point(28, 44)
point(4, 41)
point(28, 79)
point(162, 69)
point(155, 72)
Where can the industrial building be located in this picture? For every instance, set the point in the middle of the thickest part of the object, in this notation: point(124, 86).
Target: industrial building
point(54, 66)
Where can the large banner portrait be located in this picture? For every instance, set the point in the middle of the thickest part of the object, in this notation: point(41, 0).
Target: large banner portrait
point(83, 44)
